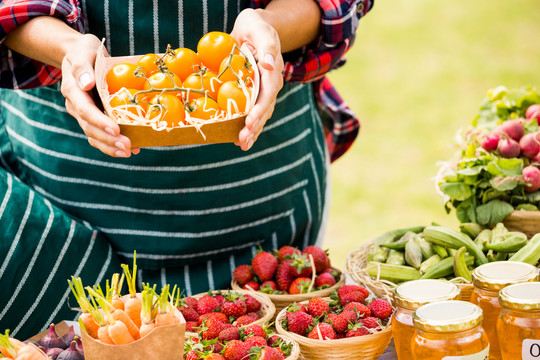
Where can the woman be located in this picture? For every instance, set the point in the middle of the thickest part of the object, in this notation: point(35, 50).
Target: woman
point(75, 201)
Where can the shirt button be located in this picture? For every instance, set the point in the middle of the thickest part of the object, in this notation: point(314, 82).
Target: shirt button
point(360, 8)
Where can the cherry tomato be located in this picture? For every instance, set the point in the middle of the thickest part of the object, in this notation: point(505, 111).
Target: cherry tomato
point(148, 64)
point(169, 107)
point(122, 99)
point(204, 80)
point(185, 62)
point(203, 108)
point(123, 76)
point(161, 80)
point(214, 47)
point(231, 98)
point(235, 64)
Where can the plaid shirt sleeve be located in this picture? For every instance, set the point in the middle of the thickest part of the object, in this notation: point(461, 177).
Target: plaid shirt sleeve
point(18, 71)
point(339, 22)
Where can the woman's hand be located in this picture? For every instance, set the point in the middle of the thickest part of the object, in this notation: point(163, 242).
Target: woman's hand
point(78, 79)
point(263, 40)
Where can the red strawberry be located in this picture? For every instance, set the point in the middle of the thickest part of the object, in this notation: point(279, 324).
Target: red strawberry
point(228, 334)
point(255, 330)
point(216, 348)
point(191, 302)
point(252, 285)
point(255, 340)
point(322, 331)
point(338, 322)
point(286, 252)
point(300, 266)
point(214, 316)
point(244, 320)
point(235, 350)
point(207, 304)
point(220, 299)
point(371, 322)
point(190, 314)
point(350, 315)
point(317, 307)
point(192, 355)
point(294, 307)
point(324, 280)
point(234, 308)
point(213, 328)
point(380, 308)
point(191, 325)
point(214, 356)
point(300, 285)
point(272, 339)
point(266, 353)
point(264, 265)
point(320, 257)
point(268, 287)
point(253, 315)
point(357, 330)
point(243, 274)
point(298, 322)
point(284, 277)
point(345, 289)
point(361, 309)
point(252, 304)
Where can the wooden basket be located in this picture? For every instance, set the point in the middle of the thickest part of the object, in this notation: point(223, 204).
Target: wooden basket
point(266, 313)
point(365, 347)
point(282, 301)
point(528, 222)
point(355, 267)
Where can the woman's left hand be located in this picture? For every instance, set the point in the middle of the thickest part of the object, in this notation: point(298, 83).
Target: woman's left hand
point(263, 40)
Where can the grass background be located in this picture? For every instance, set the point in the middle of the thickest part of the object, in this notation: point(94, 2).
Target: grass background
point(418, 72)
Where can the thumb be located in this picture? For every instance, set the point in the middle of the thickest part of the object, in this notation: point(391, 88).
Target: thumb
point(268, 61)
point(82, 68)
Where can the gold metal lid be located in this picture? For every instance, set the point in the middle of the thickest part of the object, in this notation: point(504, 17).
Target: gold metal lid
point(524, 296)
point(415, 293)
point(447, 316)
point(499, 274)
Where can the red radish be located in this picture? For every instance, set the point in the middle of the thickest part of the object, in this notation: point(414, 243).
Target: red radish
point(509, 148)
point(533, 112)
point(513, 128)
point(530, 144)
point(490, 141)
point(531, 175)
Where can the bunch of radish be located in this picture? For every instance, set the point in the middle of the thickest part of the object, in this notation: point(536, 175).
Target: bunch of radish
point(511, 140)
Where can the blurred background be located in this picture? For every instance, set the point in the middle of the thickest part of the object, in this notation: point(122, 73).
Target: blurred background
point(418, 72)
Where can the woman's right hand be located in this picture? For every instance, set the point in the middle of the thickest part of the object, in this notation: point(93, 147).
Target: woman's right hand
point(78, 79)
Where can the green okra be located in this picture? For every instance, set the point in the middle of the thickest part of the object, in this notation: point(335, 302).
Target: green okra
point(445, 267)
point(401, 242)
point(471, 229)
point(425, 247)
point(530, 253)
point(512, 242)
point(428, 263)
point(483, 239)
point(453, 239)
point(460, 265)
point(413, 254)
point(395, 257)
point(396, 234)
point(393, 273)
point(440, 250)
point(378, 253)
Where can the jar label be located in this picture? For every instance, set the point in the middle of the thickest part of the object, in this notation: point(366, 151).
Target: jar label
point(530, 349)
point(482, 355)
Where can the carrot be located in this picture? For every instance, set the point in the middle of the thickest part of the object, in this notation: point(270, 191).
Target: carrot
point(165, 316)
point(90, 325)
point(116, 287)
point(119, 333)
point(31, 352)
point(133, 305)
point(14, 349)
point(147, 311)
point(121, 315)
point(103, 335)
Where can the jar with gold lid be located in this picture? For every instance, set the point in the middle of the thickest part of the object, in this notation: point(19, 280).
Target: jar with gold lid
point(488, 280)
point(518, 325)
point(449, 330)
point(408, 297)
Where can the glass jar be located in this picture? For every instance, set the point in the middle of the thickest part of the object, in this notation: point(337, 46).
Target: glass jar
point(449, 330)
point(488, 280)
point(518, 325)
point(408, 297)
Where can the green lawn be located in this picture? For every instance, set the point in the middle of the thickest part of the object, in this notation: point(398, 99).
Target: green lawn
point(416, 74)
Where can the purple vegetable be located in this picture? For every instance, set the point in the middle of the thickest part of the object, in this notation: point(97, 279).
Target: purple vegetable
point(69, 336)
point(53, 352)
point(52, 340)
point(71, 353)
point(79, 343)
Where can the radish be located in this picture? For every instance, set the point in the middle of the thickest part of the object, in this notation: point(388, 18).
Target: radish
point(533, 112)
point(490, 141)
point(530, 144)
point(531, 175)
point(508, 148)
point(512, 128)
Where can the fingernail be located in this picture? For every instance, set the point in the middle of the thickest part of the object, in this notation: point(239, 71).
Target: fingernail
point(249, 138)
point(110, 131)
point(120, 145)
point(250, 143)
point(120, 154)
point(84, 80)
point(269, 59)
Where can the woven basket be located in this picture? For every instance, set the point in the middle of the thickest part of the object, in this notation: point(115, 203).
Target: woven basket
point(528, 222)
point(266, 313)
point(295, 352)
point(355, 267)
point(282, 301)
point(366, 347)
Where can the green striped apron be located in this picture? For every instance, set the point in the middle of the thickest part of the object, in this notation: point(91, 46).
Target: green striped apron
point(192, 213)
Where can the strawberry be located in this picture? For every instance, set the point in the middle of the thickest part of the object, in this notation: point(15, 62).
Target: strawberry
point(207, 304)
point(354, 296)
point(299, 285)
point(317, 307)
point(345, 289)
point(214, 316)
point(216, 348)
point(357, 330)
point(296, 307)
point(264, 265)
point(324, 280)
point(254, 329)
point(252, 285)
point(214, 356)
point(322, 331)
point(338, 322)
point(298, 322)
point(350, 315)
point(192, 325)
point(380, 308)
point(286, 252)
point(189, 314)
point(192, 355)
point(228, 334)
point(253, 315)
point(220, 299)
point(235, 350)
point(371, 322)
point(234, 308)
point(243, 274)
point(361, 309)
point(300, 266)
point(244, 320)
point(266, 353)
point(252, 304)
point(269, 287)
point(272, 339)
point(284, 277)
point(211, 328)
point(320, 257)
point(255, 340)
point(191, 302)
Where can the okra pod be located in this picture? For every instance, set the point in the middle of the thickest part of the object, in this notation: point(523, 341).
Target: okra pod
point(512, 242)
point(425, 247)
point(445, 267)
point(394, 273)
point(530, 253)
point(471, 229)
point(379, 254)
point(460, 266)
point(453, 239)
point(440, 250)
point(401, 242)
point(395, 257)
point(393, 235)
point(413, 254)
point(483, 239)
point(427, 264)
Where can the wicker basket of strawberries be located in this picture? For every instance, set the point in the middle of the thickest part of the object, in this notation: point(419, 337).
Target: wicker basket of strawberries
point(344, 326)
point(223, 341)
point(237, 307)
point(289, 275)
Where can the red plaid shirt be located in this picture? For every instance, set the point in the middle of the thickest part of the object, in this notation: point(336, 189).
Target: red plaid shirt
point(310, 64)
